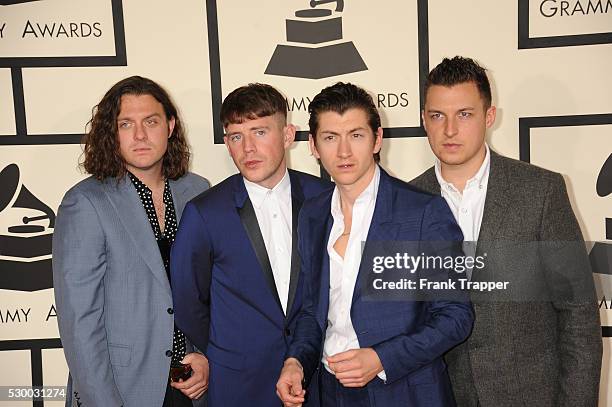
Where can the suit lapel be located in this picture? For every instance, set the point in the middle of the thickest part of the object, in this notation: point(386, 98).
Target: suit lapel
point(322, 227)
point(179, 190)
point(132, 215)
point(245, 209)
point(382, 226)
point(496, 201)
point(297, 198)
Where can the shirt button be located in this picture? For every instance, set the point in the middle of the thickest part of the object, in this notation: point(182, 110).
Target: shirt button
point(170, 311)
point(169, 353)
point(274, 216)
point(287, 332)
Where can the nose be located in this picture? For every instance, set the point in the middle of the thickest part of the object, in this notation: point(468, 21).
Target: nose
point(248, 144)
point(450, 128)
point(139, 132)
point(344, 148)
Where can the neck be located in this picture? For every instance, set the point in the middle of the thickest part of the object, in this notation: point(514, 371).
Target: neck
point(154, 179)
point(459, 174)
point(350, 193)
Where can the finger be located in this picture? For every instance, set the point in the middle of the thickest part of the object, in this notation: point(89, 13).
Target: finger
point(200, 394)
point(339, 357)
point(354, 374)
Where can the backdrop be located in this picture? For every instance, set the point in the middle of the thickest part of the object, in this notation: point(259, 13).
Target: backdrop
point(549, 62)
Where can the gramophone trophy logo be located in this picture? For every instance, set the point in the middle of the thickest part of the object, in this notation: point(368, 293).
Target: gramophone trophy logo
point(302, 46)
point(25, 245)
point(314, 50)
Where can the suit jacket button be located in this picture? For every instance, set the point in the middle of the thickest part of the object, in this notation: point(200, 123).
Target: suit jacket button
point(287, 332)
point(170, 311)
point(169, 353)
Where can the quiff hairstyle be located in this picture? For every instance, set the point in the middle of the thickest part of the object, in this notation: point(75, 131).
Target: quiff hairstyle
point(339, 98)
point(251, 102)
point(102, 157)
point(458, 70)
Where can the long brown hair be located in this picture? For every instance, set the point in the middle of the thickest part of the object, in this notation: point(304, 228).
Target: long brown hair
point(102, 157)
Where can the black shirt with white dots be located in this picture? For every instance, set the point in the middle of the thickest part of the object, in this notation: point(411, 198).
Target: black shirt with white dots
point(164, 242)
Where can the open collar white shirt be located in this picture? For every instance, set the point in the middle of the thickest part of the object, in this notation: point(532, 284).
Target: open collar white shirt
point(340, 335)
point(274, 216)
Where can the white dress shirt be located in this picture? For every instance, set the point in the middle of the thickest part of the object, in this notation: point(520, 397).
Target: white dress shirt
point(468, 207)
point(274, 216)
point(340, 335)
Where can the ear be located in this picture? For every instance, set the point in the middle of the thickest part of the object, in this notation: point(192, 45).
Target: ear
point(490, 115)
point(171, 124)
point(423, 120)
point(289, 135)
point(378, 140)
point(226, 142)
point(313, 147)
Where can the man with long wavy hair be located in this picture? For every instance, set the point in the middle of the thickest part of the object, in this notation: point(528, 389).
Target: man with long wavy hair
point(111, 256)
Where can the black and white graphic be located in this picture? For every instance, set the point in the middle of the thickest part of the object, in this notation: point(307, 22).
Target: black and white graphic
point(598, 188)
point(69, 35)
point(303, 46)
point(318, 26)
point(25, 247)
point(564, 23)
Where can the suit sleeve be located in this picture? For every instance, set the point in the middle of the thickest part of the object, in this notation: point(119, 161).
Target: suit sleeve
point(448, 322)
point(567, 265)
point(79, 268)
point(191, 271)
point(307, 338)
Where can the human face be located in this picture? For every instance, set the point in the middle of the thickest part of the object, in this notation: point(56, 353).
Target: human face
point(346, 145)
point(258, 148)
point(456, 120)
point(143, 133)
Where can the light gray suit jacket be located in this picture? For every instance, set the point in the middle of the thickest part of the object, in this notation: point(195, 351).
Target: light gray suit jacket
point(545, 353)
point(112, 293)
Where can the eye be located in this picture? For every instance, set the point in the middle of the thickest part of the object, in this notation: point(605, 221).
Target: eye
point(464, 115)
point(357, 135)
point(435, 116)
point(235, 138)
point(151, 122)
point(260, 132)
point(329, 137)
point(125, 124)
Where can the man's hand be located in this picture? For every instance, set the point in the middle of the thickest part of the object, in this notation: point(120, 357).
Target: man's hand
point(289, 386)
point(197, 384)
point(355, 367)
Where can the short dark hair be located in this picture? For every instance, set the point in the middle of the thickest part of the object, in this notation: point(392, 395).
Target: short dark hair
point(102, 156)
point(339, 98)
point(252, 101)
point(459, 70)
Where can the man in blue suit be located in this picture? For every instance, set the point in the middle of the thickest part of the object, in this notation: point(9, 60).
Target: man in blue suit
point(371, 353)
point(235, 268)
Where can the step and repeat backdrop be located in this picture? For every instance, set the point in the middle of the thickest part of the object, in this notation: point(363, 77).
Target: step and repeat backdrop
point(549, 63)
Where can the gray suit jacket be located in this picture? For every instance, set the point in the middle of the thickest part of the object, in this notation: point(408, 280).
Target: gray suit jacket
point(541, 353)
point(112, 294)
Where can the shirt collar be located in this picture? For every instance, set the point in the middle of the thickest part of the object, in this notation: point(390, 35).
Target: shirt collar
point(257, 193)
point(366, 196)
point(480, 178)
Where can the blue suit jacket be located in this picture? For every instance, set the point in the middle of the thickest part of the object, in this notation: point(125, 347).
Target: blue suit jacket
point(409, 337)
point(226, 300)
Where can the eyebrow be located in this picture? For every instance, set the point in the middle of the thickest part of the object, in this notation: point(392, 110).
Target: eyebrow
point(148, 117)
point(335, 133)
point(459, 110)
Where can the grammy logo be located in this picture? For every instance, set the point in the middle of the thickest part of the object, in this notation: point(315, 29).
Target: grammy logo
point(320, 54)
point(9, 2)
point(25, 247)
point(601, 254)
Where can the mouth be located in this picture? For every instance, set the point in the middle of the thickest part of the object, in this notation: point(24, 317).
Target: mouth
point(451, 146)
point(141, 150)
point(252, 163)
point(345, 166)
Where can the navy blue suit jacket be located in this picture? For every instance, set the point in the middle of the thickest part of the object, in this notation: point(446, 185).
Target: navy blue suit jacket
point(409, 337)
point(225, 298)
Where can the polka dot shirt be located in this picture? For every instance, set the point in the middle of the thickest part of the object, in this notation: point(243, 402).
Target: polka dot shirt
point(164, 241)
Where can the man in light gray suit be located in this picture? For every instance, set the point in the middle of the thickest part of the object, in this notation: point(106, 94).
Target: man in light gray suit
point(111, 250)
point(521, 353)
